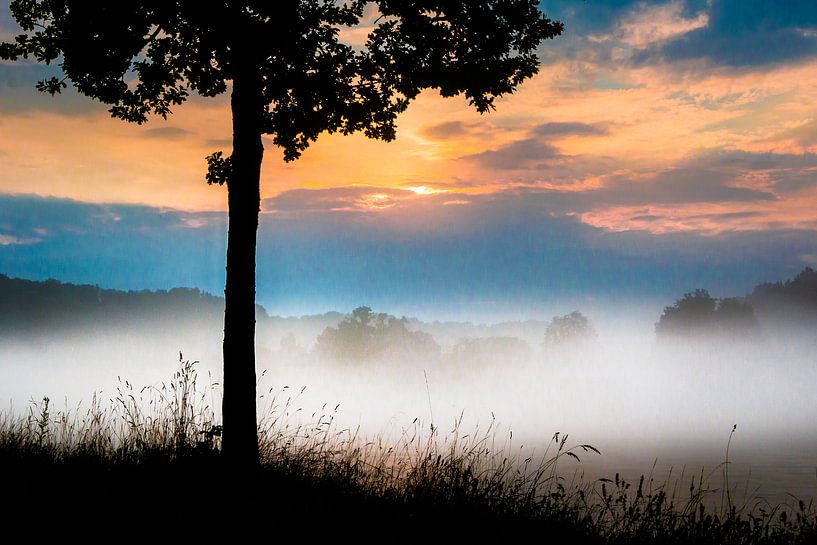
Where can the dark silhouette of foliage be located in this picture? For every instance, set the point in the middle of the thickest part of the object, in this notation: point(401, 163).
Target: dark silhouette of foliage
point(45, 308)
point(697, 313)
point(802, 288)
point(568, 331)
point(365, 335)
point(290, 76)
point(690, 314)
point(775, 308)
point(735, 315)
point(789, 305)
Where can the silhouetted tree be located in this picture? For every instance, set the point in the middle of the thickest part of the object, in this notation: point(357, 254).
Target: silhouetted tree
point(790, 305)
point(292, 77)
point(689, 314)
point(697, 313)
point(566, 331)
point(364, 335)
point(735, 315)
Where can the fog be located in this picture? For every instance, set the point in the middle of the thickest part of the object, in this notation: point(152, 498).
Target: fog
point(647, 404)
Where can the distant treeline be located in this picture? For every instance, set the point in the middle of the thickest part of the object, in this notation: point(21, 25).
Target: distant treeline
point(51, 308)
point(28, 306)
point(34, 308)
point(779, 307)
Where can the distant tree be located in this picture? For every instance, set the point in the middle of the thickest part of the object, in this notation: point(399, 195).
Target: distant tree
point(799, 293)
point(697, 313)
point(292, 77)
point(352, 339)
point(689, 314)
point(364, 336)
point(735, 315)
point(570, 330)
point(47, 307)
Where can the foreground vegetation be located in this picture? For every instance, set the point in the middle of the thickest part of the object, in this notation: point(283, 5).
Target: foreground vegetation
point(150, 462)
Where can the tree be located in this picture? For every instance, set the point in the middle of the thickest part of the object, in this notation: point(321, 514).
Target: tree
point(291, 77)
point(689, 314)
point(699, 314)
point(735, 316)
point(570, 330)
point(364, 335)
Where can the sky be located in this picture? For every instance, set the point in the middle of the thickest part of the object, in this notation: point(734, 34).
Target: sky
point(663, 146)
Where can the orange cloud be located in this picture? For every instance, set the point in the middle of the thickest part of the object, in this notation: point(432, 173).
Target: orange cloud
point(629, 125)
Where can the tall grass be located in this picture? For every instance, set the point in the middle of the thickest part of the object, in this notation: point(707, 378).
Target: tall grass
point(427, 474)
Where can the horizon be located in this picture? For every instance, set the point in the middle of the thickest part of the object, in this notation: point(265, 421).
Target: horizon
point(599, 310)
point(490, 319)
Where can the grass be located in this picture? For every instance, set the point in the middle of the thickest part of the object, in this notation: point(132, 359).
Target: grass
point(149, 460)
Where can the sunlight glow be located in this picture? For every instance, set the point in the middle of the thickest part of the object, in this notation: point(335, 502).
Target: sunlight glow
point(425, 190)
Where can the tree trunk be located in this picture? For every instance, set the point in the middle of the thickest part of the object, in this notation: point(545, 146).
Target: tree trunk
point(240, 436)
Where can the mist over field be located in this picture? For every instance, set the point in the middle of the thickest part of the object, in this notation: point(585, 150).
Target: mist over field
point(605, 378)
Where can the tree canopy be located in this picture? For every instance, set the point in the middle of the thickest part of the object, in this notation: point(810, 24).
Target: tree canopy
point(364, 335)
point(568, 331)
point(697, 313)
point(146, 57)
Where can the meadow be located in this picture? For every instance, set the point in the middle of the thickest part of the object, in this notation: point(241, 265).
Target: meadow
point(149, 456)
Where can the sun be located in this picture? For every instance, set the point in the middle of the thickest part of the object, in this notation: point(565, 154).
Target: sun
point(424, 190)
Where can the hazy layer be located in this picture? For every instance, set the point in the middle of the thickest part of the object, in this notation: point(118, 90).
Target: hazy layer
point(630, 396)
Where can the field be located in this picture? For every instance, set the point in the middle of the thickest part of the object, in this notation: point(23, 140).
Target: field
point(151, 459)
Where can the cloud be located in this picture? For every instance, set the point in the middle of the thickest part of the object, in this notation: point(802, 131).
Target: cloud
point(166, 133)
point(804, 134)
point(593, 181)
point(744, 33)
point(657, 23)
point(51, 219)
point(570, 129)
point(509, 245)
point(445, 131)
point(530, 153)
point(727, 215)
point(535, 152)
point(602, 33)
point(707, 101)
point(659, 218)
point(712, 178)
point(219, 143)
point(8, 240)
point(701, 180)
point(599, 17)
point(359, 199)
